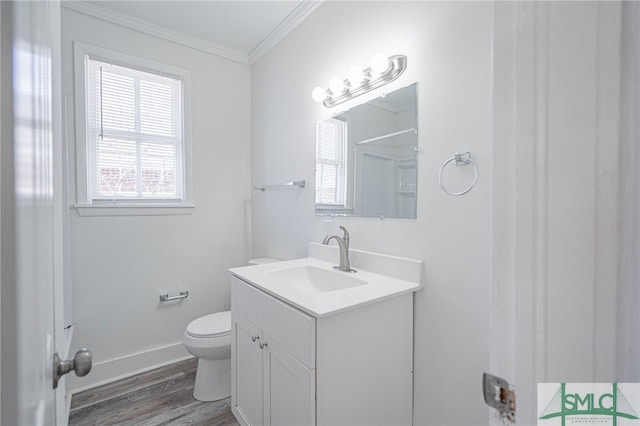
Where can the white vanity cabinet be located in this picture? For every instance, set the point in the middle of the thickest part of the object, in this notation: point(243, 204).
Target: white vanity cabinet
point(272, 360)
point(289, 367)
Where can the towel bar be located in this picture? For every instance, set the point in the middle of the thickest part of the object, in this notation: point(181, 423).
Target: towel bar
point(300, 183)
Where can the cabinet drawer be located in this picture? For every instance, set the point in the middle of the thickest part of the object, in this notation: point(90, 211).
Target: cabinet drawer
point(292, 329)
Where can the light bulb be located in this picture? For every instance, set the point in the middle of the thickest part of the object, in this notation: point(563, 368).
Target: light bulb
point(379, 63)
point(336, 85)
point(355, 76)
point(319, 94)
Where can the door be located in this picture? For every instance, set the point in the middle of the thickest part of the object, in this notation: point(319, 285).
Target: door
point(246, 367)
point(556, 225)
point(289, 388)
point(30, 223)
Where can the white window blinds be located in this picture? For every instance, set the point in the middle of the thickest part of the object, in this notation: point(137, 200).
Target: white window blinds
point(330, 162)
point(135, 135)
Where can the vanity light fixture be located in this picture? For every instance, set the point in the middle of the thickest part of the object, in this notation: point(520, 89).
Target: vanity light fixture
point(383, 69)
point(337, 85)
point(356, 76)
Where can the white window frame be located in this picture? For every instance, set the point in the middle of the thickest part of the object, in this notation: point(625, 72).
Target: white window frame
point(84, 205)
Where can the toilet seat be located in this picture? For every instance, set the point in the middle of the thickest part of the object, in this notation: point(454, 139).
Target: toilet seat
point(212, 325)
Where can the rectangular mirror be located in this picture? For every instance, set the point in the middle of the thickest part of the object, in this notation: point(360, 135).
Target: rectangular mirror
point(366, 158)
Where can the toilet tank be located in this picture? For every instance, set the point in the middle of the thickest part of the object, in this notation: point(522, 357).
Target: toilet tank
point(262, 261)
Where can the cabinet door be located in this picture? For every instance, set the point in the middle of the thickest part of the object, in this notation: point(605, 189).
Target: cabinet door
point(289, 388)
point(246, 370)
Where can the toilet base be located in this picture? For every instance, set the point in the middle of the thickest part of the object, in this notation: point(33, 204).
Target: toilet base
point(213, 379)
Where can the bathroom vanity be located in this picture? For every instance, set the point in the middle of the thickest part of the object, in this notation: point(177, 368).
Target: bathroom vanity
point(311, 345)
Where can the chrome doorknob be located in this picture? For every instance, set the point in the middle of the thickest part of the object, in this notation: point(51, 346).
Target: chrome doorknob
point(81, 364)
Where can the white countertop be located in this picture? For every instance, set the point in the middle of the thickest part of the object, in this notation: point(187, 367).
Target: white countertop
point(396, 276)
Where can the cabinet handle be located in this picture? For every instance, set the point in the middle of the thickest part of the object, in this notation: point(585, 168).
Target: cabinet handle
point(254, 338)
point(263, 345)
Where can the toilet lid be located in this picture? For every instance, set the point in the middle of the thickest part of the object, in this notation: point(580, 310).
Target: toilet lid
point(211, 325)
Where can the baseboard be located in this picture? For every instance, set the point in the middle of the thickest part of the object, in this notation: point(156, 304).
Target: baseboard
point(108, 371)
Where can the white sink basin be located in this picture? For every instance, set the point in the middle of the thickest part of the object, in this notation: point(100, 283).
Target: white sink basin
point(313, 286)
point(316, 280)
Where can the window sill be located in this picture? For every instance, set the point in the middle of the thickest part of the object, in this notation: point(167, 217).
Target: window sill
point(133, 209)
point(333, 211)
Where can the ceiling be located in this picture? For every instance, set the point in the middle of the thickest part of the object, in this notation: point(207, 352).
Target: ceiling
point(240, 26)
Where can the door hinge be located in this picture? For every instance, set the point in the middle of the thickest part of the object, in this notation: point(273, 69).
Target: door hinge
point(499, 394)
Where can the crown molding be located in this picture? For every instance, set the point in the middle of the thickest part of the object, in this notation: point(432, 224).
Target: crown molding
point(154, 30)
point(303, 10)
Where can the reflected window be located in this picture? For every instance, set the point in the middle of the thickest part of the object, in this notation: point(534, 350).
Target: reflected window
point(331, 163)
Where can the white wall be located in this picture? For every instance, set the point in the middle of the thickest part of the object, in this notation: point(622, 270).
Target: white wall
point(122, 264)
point(537, 238)
point(448, 46)
point(566, 84)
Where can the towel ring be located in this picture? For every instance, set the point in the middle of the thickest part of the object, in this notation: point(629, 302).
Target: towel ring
point(459, 159)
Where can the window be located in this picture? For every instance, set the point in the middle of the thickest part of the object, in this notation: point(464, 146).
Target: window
point(132, 145)
point(330, 163)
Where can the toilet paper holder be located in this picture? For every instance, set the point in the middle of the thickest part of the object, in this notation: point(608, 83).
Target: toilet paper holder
point(166, 298)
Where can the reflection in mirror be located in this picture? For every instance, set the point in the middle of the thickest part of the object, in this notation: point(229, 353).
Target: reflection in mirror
point(366, 158)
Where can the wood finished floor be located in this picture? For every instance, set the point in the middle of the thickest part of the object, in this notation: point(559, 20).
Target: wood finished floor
point(159, 397)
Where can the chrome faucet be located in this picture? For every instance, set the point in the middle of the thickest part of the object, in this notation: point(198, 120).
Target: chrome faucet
point(343, 244)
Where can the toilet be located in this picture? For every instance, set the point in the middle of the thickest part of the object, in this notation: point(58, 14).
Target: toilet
point(209, 339)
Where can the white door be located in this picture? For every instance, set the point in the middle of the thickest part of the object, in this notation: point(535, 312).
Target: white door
point(31, 214)
point(555, 223)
